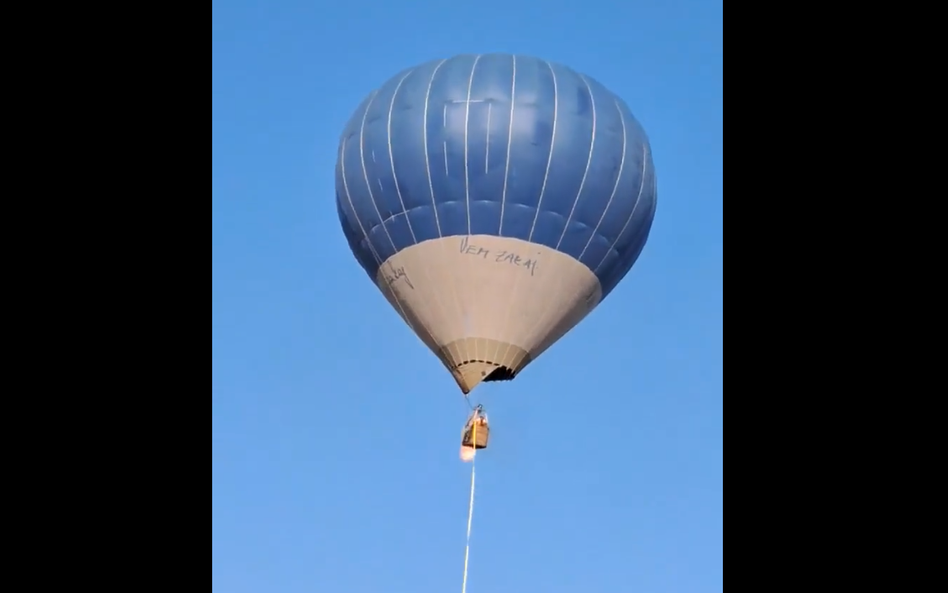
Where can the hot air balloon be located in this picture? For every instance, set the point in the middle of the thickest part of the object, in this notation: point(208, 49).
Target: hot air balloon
point(495, 200)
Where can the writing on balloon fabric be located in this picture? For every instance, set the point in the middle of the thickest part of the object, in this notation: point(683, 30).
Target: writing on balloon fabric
point(393, 275)
point(498, 256)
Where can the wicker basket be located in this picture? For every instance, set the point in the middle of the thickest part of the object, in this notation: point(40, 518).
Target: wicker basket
point(483, 435)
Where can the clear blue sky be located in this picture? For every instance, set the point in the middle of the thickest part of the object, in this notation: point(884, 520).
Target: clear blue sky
point(335, 464)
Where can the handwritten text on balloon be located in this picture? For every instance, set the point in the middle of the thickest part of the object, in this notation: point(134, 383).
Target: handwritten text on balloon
point(393, 275)
point(498, 256)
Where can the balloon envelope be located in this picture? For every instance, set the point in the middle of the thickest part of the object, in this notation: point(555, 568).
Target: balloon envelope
point(495, 200)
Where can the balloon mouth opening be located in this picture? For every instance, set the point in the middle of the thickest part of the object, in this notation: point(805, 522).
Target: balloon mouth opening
point(501, 373)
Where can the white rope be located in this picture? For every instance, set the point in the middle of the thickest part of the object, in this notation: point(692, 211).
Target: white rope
point(470, 515)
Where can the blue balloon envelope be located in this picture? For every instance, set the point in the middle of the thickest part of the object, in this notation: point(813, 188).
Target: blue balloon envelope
point(495, 200)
